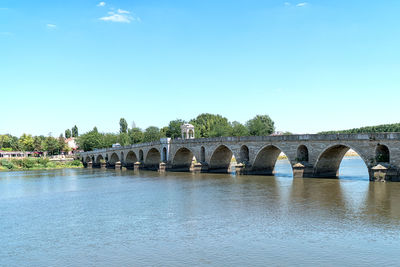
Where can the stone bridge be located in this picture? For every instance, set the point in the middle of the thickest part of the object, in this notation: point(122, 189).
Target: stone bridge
point(309, 155)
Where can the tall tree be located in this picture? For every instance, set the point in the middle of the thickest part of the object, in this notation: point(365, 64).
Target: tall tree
point(123, 126)
point(211, 125)
point(26, 142)
point(239, 129)
point(260, 125)
point(174, 128)
point(51, 145)
point(38, 142)
point(68, 133)
point(152, 133)
point(90, 140)
point(123, 139)
point(136, 135)
point(61, 143)
point(75, 131)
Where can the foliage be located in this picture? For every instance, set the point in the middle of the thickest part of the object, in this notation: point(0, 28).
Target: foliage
point(75, 132)
point(210, 125)
point(174, 128)
point(108, 139)
point(135, 135)
point(123, 139)
point(260, 125)
point(68, 133)
point(384, 128)
point(51, 145)
point(90, 140)
point(26, 142)
point(37, 163)
point(151, 134)
point(239, 129)
point(123, 126)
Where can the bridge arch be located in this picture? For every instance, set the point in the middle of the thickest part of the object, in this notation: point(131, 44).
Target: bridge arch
point(130, 160)
point(113, 159)
point(182, 159)
point(221, 159)
point(302, 154)
point(99, 158)
point(382, 154)
point(265, 160)
point(153, 159)
point(328, 162)
point(87, 159)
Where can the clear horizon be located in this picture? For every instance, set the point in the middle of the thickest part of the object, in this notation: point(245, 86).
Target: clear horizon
point(310, 65)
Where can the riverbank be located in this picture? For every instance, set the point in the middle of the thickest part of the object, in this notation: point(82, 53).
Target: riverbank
point(36, 164)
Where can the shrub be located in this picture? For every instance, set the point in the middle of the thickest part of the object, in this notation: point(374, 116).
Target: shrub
point(76, 163)
point(28, 163)
point(7, 164)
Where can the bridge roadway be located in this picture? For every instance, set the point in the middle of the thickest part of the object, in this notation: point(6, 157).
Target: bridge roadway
point(310, 155)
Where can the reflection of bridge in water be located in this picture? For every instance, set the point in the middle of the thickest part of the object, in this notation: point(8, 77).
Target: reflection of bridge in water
point(309, 155)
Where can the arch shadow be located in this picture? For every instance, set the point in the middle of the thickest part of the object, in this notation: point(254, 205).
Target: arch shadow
point(153, 159)
point(220, 160)
point(183, 160)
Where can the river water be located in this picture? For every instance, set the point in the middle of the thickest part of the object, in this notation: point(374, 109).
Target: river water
point(83, 217)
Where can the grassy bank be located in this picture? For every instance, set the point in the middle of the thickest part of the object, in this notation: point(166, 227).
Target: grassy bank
point(37, 164)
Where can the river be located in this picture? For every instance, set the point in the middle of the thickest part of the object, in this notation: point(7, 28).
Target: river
point(84, 217)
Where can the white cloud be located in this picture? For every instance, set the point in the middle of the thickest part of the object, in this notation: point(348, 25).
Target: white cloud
point(301, 4)
point(121, 11)
point(51, 26)
point(101, 4)
point(287, 4)
point(121, 15)
point(6, 33)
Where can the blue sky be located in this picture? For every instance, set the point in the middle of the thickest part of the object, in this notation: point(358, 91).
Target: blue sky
point(310, 65)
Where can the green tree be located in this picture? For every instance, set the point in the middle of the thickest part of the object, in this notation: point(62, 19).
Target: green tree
point(9, 142)
point(37, 143)
point(68, 133)
point(136, 135)
point(90, 140)
point(75, 132)
point(210, 125)
point(26, 142)
point(123, 139)
point(123, 126)
point(51, 145)
point(151, 134)
point(61, 143)
point(174, 128)
point(239, 129)
point(108, 139)
point(163, 132)
point(260, 125)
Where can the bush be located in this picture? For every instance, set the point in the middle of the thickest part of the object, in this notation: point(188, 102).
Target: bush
point(76, 163)
point(7, 164)
point(28, 163)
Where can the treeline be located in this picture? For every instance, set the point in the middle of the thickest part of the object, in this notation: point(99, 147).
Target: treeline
point(27, 142)
point(384, 128)
point(206, 125)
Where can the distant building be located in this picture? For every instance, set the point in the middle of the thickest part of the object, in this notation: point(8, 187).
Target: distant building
point(71, 143)
point(15, 154)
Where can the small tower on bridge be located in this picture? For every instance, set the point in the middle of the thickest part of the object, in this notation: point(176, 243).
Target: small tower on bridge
point(187, 131)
